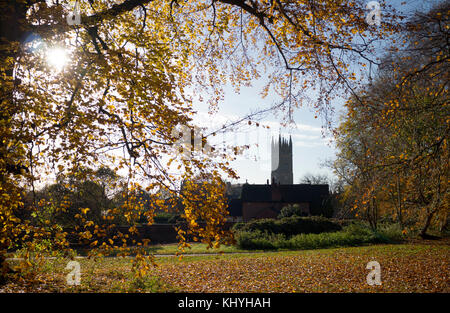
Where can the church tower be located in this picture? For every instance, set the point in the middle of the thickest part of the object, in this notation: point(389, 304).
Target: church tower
point(282, 172)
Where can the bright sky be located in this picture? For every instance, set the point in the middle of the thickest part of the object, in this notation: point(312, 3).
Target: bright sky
point(310, 146)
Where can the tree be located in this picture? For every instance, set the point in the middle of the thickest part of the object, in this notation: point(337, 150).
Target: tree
point(315, 179)
point(331, 206)
point(291, 210)
point(99, 194)
point(394, 140)
point(133, 68)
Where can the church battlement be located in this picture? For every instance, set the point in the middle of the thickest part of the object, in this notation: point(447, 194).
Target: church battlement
point(282, 169)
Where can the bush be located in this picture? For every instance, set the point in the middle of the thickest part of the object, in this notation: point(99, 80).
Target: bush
point(291, 210)
point(359, 229)
point(290, 226)
point(174, 219)
point(166, 218)
point(257, 240)
point(393, 232)
point(352, 235)
point(238, 226)
point(269, 225)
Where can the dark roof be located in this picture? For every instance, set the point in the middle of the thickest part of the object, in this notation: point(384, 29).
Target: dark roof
point(289, 193)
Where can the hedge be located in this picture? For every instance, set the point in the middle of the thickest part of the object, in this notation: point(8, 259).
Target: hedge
point(290, 226)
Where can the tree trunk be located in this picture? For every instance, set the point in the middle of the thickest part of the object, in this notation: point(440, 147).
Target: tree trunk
point(423, 232)
point(399, 203)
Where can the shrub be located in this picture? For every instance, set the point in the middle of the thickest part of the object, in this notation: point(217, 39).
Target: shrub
point(306, 225)
point(257, 240)
point(352, 235)
point(238, 226)
point(166, 218)
point(393, 232)
point(291, 210)
point(359, 229)
point(174, 219)
point(162, 217)
point(315, 241)
point(264, 225)
point(290, 226)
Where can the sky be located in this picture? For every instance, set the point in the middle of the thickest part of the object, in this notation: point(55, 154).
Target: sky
point(311, 145)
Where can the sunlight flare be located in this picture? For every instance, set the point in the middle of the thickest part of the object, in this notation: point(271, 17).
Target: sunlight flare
point(57, 57)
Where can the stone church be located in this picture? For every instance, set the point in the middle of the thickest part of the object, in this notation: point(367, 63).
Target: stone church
point(281, 154)
point(252, 201)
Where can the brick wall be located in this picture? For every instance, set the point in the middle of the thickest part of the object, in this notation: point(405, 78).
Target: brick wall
point(157, 233)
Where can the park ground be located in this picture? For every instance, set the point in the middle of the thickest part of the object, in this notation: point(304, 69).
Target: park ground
point(419, 266)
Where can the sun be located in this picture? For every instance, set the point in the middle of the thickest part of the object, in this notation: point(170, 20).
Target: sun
point(57, 57)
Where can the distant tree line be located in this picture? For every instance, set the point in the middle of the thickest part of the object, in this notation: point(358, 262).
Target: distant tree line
point(104, 192)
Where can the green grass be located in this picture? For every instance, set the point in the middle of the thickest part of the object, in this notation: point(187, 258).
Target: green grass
point(275, 271)
point(162, 249)
point(172, 249)
point(254, 241)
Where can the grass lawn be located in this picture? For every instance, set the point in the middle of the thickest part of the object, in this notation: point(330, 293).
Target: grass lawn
point(413, 267)
point(196, 248)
